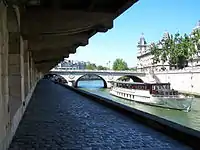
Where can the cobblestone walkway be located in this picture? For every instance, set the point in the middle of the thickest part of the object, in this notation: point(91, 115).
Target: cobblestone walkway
point(60, 119)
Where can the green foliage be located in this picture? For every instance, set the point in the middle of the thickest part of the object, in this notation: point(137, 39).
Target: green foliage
point(176, 49)
point(101, 68)
point(196, 39)
point(156, 53)
point(120, 64)
point(133, 69)
point(91, 66)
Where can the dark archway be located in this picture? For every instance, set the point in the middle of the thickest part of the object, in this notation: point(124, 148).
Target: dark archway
point(55, 77)
point(90, 75)
point(134, 78)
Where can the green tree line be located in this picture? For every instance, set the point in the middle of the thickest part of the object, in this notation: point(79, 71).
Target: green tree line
point(118, 64)
point(176, 49)
point(92, 66)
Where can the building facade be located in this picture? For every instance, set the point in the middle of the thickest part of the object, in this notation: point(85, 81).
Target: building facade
point(145, 58)
point(71, 65)
point(195, 61)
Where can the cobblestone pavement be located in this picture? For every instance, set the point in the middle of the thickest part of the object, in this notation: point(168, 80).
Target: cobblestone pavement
point(60, 119)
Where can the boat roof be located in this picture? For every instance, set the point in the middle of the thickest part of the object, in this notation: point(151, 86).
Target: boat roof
point(139, 83)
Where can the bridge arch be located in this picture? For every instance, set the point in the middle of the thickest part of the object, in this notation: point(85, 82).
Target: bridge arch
point(57, 77)
point(104, 81)
point(134, 78)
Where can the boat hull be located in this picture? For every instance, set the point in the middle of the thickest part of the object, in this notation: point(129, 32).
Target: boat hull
point(178, 103)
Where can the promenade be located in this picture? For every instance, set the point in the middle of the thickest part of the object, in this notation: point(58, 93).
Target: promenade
point(60, 119)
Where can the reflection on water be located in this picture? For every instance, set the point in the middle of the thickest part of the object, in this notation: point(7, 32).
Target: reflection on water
point(190, 119)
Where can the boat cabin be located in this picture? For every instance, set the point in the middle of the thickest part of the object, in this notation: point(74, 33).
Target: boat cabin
point(154, 88)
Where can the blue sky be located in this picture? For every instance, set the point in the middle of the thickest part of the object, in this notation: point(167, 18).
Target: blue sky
point(151, 17)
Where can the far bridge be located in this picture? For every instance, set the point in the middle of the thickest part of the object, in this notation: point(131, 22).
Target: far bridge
point(73, 76)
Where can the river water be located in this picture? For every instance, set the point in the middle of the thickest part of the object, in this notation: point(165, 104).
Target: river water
point(190, 119)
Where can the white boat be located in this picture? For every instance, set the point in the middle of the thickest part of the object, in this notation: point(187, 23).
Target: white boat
point(156, 94)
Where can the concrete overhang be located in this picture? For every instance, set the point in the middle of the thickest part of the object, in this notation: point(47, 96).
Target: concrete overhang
point(52, 25)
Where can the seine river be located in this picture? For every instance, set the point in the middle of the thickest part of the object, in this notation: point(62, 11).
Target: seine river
point(190, 119)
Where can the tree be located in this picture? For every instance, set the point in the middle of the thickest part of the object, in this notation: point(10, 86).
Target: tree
point(120, 64)
point(171, 45)
point(196, 40)
point(176, 49)
point(101, 68)
point(155, 52)
point(91, 66)
point(133, 69)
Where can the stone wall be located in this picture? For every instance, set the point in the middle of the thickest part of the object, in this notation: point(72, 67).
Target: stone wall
point(18, 76)
point(4, 117)
point(184, 80)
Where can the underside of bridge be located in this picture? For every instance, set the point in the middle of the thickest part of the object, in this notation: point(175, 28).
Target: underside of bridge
point(89, 77)
point(133, 78)
point(55, 28)
point(37, 34)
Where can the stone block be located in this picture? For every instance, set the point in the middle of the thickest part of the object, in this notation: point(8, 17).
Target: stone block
point(14, 70)
point(14, 80)
point(14, 103)
point(15, 85)
point(14, 59)
point(14, 91)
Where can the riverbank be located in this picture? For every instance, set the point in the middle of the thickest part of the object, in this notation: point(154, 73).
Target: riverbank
point(182, 133)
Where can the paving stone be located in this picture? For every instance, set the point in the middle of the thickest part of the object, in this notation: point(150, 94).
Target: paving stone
point(60, 119)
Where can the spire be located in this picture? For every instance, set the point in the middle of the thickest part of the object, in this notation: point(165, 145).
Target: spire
point(142, 35)
point(142, 40)
point(165, 35)
point(197, 26)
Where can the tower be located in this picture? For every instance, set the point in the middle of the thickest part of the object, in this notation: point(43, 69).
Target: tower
point(142, 50)
point(165, 35)
point(142, 45)
point(197, 26)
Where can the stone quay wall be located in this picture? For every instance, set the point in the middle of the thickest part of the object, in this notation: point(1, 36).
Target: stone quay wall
point(186, 81)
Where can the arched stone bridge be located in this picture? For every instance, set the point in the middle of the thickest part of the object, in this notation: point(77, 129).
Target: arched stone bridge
point(73, 76)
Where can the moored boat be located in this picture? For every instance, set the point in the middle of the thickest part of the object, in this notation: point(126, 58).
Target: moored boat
point(156, 94)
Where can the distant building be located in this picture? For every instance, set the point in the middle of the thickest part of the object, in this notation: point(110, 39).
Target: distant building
point(195, 61)
point(72, 65)
point(145, 58)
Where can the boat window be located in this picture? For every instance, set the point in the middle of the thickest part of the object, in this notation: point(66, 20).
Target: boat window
point(128, 86)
